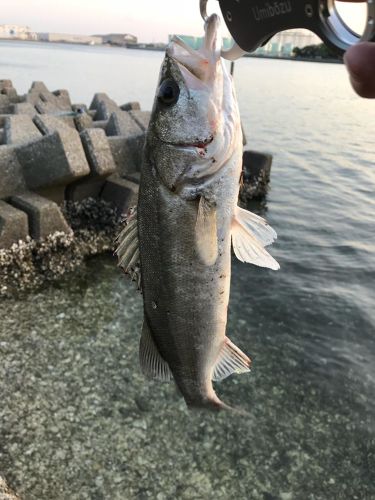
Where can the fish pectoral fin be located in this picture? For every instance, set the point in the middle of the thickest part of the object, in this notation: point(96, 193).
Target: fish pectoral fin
point(152, 364)
point(128, 248)
point(258, 226)
point(206, 232)
point(231, 360)
point(250, 234)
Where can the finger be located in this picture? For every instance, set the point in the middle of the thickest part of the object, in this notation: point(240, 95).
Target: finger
point(360, 62)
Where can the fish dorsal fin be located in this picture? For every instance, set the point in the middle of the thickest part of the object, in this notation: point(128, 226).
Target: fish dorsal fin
point(128, 249)
point(152, 364)
point(231, 360)
point(206, 232)
point(250, 234)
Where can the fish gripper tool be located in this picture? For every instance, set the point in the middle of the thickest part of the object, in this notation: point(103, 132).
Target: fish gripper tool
point(252, 23)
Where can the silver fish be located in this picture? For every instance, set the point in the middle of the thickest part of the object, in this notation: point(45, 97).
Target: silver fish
point(186, 218)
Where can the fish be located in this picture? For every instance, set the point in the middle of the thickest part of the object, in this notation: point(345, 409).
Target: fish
point(177, 242)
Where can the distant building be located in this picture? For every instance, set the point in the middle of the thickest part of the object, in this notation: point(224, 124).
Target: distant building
point(68, 38)
point(283, 43)
point(16, 32)
point(121, 39)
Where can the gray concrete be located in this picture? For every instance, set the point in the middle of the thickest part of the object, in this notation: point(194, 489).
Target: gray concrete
point(83, 121)
point(127, 153)
point(20, 129)
point(11, 176)
point(104, 106)
point(24, 108)
point(122, 193)
point(256, 175)
point(98, 152)
point(14, 225)
point(102, 164)
point(45, 217)
point(131, 105)
point(142, 118)
point(54, 159)
point(123, 123)
point(33, 95)
point(5, 104)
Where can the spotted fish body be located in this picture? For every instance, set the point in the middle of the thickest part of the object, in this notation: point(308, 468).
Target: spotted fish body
point(186, 219)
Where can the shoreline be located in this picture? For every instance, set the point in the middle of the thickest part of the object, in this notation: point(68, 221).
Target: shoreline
point(159, 49)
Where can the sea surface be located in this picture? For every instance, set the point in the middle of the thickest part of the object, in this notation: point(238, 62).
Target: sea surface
point(77, 418)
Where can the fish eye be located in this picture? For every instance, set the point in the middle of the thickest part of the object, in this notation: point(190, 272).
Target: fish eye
point(169, 92)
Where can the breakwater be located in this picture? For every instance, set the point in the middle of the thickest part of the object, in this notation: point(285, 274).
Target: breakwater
point(67, 174)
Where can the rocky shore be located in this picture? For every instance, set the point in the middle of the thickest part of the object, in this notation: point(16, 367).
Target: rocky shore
point(67, 173)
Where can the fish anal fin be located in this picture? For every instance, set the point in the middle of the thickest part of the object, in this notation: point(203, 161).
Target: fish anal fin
point(206, 232)
point(152, 364)
point(231, 360)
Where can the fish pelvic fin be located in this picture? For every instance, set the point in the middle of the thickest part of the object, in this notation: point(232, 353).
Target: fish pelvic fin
point(128, 247)
point(250, 234)
point(231, 360)
point(206, 232)
point(152, 364)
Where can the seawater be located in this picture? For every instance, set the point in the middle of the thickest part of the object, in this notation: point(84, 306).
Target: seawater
point(78, 420)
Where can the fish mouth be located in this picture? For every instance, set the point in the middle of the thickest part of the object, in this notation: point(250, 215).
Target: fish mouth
point(198, 144)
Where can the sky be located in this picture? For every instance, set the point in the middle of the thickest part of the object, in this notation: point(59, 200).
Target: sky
point(149, 20)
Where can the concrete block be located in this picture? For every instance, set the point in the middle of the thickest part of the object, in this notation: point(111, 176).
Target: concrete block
point(5, 84)
point(54, 193)
point(127, 153)
point(33, 95)
point(12, 95)
point(104, 106)
point(256, 175)
point(53, 160)
point(105, 110)
point(20, 129)
point(85, 188)
point(79, 108)
point(5, 104)
point(83, 121)
point(122, 123)
point(122, 193)
point(100, 124)
point(45, 217)
point(130, 105)
point(98, 152)
point(142, 118)
point(134, 177)
point(3, 119)
point(63, 98)
point(48, 124)
point(14, 225)
point(24, 108)
point(1, 136)
point(11, 177)
point(102, 164)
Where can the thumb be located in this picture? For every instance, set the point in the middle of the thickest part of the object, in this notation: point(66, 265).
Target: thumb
point(360, 62)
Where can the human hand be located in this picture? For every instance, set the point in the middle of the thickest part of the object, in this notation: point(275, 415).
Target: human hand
point(360, 62)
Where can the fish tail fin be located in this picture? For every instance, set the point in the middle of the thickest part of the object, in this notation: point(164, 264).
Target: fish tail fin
point(214, 403)
point(211, 402)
